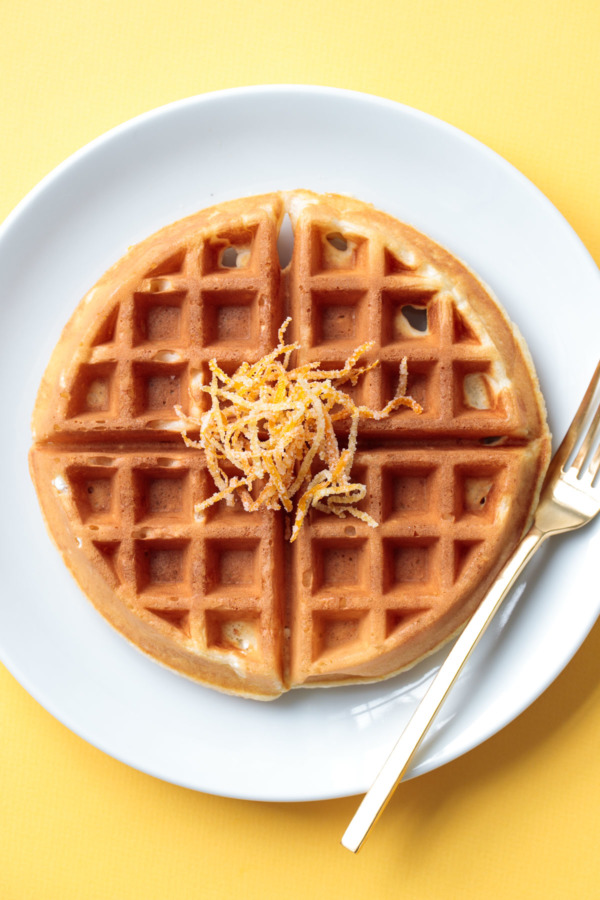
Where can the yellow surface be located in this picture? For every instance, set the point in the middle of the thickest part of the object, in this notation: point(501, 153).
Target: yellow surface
point(517, 817)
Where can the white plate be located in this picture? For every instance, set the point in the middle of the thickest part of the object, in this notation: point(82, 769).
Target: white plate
point(168, 163)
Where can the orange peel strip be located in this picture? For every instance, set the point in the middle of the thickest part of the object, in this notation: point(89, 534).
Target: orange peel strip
point(271, 423)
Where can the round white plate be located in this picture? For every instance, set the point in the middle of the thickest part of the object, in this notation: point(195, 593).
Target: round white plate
point(155, 169)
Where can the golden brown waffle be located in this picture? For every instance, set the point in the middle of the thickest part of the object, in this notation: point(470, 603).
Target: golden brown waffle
point(224, 597)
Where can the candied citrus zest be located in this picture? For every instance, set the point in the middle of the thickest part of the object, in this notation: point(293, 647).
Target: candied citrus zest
point(272, 424)
point(233, 485)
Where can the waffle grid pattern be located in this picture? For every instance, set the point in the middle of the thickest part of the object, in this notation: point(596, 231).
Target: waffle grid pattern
point(202, 578)
point(366, 294)
point(156, 340)
point(437, 515)
point(230, 586)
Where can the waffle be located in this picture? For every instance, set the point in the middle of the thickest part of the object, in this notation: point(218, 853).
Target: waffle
point(224, 597)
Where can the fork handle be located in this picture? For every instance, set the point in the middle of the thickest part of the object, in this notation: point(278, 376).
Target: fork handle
point(380, 792)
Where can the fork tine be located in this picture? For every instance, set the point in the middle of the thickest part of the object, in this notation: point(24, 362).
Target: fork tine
point(587, 441)
point(594, 466)
point(571, 437)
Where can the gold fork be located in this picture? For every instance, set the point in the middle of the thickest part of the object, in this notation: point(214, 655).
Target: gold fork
point(568, 500)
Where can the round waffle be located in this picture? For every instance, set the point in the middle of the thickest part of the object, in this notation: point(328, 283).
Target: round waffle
point(224, 597)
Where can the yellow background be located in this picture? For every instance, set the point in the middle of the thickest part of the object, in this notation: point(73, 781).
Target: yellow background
point(518, 817)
